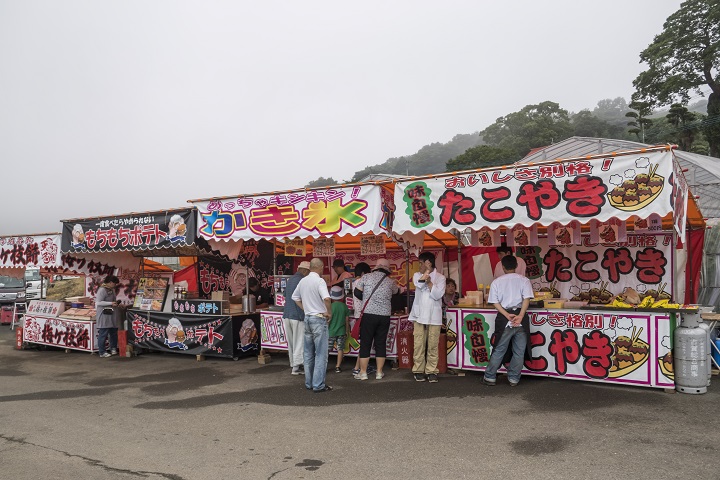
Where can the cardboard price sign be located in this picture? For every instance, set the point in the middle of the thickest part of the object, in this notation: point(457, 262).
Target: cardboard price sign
point(295, 247)
point(324, 247)
point(372, 245)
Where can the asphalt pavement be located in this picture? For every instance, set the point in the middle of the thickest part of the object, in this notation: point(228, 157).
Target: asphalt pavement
point(167, 416)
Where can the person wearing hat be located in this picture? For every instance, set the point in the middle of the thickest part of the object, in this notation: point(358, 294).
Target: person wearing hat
point(293, 320)
point(340, 274)
point(375, 289)
point(339, 323)
point(312, 296)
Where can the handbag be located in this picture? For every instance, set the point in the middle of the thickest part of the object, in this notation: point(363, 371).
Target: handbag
point(355, 332)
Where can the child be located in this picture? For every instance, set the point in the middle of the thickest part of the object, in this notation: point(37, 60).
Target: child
point(339, 323)
point(450, 298)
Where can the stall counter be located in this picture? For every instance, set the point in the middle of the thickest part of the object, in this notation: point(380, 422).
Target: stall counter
point(574, 344)
point(48, 323)
point(228, 335)
point(273, 334)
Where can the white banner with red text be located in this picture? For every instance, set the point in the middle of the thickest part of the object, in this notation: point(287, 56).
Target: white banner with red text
point(564, 191)
point(625, 348)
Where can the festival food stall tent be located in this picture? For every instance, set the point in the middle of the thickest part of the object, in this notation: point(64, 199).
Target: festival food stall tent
point(349, 222)
point(589, 229)
point(18, 253)
point(48, 322)
point(155, 319)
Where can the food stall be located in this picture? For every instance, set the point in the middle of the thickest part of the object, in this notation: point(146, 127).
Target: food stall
point(155, 318)
point(18, 253)
point(609, 245)
point(349, 222)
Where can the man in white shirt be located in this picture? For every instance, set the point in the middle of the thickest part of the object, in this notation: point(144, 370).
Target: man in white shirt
point(503, 251)
point(427, 317)
point(510, 294)
point(313, 297)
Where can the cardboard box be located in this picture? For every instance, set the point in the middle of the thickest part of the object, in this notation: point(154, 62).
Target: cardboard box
point(555, 303)
point(223, 296)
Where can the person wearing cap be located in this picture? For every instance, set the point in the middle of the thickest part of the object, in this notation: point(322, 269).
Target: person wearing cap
point(293, 320)
point(340, 273)
point(376, 290)
point(427, 316)
point(312, 296)
point(339, 323)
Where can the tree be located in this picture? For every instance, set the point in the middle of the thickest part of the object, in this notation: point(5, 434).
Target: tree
point(612, 110)
point(684, 58)
point(322, 182)
point(640, 118)
point(482, 156)
point(533, 126)
point(586, 124)
point(429, 159)
point(685, 123)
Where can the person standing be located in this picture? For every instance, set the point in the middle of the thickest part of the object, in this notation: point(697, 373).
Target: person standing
point(376, 290)
point(104, 303)
point(294, 320)
point(312, 296)
point(339, 324)
point(360, 269)
point(340, 274)
point(427, 315)
point(503, 250)
point(511, 295)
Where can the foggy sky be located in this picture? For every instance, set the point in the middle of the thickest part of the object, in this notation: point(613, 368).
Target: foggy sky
point(112, 107)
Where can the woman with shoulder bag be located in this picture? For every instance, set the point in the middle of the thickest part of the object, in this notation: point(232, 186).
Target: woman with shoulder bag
point(375, 289)
point(104, 301)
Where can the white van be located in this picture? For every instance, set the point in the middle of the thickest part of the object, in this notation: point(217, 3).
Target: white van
point(35, 285)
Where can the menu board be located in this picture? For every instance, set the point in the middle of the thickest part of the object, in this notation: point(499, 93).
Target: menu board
point(295, 247)
point(151, 294)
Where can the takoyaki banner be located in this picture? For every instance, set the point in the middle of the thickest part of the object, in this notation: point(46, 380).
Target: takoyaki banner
point(596, 272)
point(354, 210)
point(220, 336)
point(131, 232)
point(614, 187)
point(613, 347)
point(24, 251)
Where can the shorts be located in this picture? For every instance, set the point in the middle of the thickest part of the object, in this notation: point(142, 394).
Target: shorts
point(340, 340)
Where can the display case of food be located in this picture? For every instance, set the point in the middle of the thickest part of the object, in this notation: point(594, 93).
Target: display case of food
point(151, 294)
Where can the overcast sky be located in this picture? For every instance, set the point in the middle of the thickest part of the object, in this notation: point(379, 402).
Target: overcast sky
point(108, 107)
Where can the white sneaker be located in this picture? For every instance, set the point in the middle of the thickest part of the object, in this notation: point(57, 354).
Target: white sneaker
point(105, 355)
point(379, 375)
point(361, 376)
point(295, 371)
point(113, 352)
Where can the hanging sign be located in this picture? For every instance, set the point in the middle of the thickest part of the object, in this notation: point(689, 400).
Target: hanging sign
point(295, 247)
point(30, 251)
point(615, 187)
point(324, 247)
point(351, 210)
point(372, 245)
point(680, 204)
point(131, 232)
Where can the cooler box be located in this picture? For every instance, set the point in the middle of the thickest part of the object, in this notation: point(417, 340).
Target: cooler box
point(6, 315)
